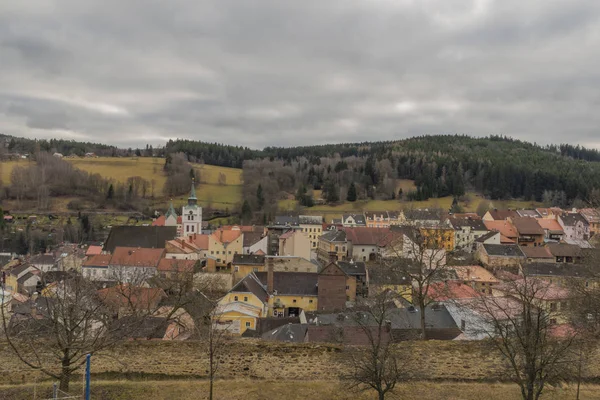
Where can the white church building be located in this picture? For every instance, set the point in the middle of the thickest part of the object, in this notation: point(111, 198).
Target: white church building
point(191, 216)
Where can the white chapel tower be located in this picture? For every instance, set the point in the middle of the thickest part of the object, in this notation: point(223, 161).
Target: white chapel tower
point(191, 215)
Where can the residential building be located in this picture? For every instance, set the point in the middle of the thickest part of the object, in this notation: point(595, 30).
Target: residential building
point(424, 217)
point(274, 232)
point(500, 255)
point(506, 228)
point(566, 253)
point(333, 286)
point(438, 237)
point(312, 226)
point(499, 215)
point(357, 284)
point(95, 268)
point(134, 264)
point(382, 278)
point(477, 277)
point(352, 220)
point(21, 279)
point(592, 216)
point(224, 245)
point(244, 264)
point(191, 247)
point(93, 251)
point(553, 232)
point(538, 254)
point(287, 221)
point(44, 262)
point(364, 243)
point(473, 316)
point(529, 230)
point(528, 214)
point(290, 293)
point(443, 291)
point(149, 237)
point(492, 237)
point(180, 270)
point(125, 299)
point(576, 227)
point(333, 245)
point(377, 219)
point(467, 231)
point(255, 242)
point(295, 243)
point(396, 218)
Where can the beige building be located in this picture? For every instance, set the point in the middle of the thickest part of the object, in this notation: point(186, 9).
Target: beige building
point(223, 245)
point(312, 227)
point(295, 243)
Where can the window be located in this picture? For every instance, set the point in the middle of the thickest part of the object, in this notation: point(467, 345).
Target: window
point(310, 301)
point(363, 250)
point(552, 306)
point(294, 301)
point(212, 252)
point(236, 268)
point(247, 324)
point(235, 298)
point(347, 287)
point(245, 298)
point(229, 252)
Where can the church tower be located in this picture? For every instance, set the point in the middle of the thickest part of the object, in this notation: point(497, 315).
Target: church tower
point(191, 214)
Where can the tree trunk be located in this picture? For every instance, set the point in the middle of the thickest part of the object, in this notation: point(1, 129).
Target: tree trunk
point(422, 316)
point(65, 377)
point(381, 396)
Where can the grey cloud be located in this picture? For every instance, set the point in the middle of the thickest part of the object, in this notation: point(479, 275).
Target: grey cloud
point(271, 72)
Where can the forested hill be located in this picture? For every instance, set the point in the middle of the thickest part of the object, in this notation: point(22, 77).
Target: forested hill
point(66, 147)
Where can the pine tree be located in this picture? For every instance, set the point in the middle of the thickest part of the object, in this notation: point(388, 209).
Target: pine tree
point(111, 192)
point(351, 196)
point(260, 197)
point(246, 212)
point(331, 192)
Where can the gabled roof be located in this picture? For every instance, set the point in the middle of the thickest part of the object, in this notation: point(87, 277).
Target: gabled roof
point(291, 283)
point(136, 257)
point(424, 215)
point(44, 259)
point(310, 220)
point(474, 273)
point(139, 236)
point(359, 219)
point(100, 260)
point(527, 226)
point(26, 277)
point(474, 224)
point(363, 236)
point(442, 291)
point(592, 215)
point(127, 295)
point(93, 250)
point(500, 215)
point(286, 220)
point(334, 236)
point(20, 269)
point(173, 265)
point(248, 259)
point(226, 236)
point(551, 225)
point(528, 213)
point(353, 268)
point(537, 252)
point(251, 284)
point(571, 219)
point(388, 276)
point(487, 236)
point(504, 227)
point(564, 250)
point(294, 333)
point(557, 269)
point(503, 250)
point(251, 238)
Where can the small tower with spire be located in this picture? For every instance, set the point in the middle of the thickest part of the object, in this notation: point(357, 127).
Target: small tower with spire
point(191, 214)
point(171, 216)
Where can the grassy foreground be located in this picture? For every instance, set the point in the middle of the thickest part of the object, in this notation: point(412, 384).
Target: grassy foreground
point(315, 390)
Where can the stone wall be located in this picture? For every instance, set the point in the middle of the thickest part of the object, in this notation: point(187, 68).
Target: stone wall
point(252, 359)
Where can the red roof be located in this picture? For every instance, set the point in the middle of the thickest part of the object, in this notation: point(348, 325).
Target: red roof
point(368, 236)
point(160, 221)
point(550, 225)
point(442, 291)
point(140, 298)
point(136, 256)
point(100, 260)
point(173, 265)
point(93, 251)
point(504, 227)
point(226, 236)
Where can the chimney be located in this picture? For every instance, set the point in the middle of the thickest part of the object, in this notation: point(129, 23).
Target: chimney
point(270, 275)
point(332, 257)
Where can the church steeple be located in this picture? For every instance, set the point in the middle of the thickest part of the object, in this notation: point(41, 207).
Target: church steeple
point(193, 200)
point(171, 211)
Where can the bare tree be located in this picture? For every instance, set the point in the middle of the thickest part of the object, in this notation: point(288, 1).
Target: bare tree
point(378, 366)
point(524, 332)
point(420, 254)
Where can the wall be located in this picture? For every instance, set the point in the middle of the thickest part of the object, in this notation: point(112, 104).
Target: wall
point(251, 359)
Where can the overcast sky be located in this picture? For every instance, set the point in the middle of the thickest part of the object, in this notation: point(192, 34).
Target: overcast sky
point(283, 72)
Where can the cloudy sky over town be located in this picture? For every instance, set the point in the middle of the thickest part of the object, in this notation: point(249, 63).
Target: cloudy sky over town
point(275, 72)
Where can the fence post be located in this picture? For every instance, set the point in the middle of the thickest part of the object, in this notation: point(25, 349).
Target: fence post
point(87, 376)
point(54, 392)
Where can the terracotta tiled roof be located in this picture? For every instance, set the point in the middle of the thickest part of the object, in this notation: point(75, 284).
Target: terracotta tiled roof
point(500, 215)
point(93, 250)
point(537, 252)
point(172, 265)
point(504, 227)
point(140, 298)
point(160, 221)
point(100, 260)
point(442, 291)
point(201, 241)
point(226, 236)
point(136, 257)
point(527, 226)
point(551, 225)
point(367, 236)
point(474, 273)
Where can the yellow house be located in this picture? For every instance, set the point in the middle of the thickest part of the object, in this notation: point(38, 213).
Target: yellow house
point(244, 264)
point(312, 227)
point(394, 279)
point(241, 307)
point(438, 237)
point(224, 244)
point(333, 246)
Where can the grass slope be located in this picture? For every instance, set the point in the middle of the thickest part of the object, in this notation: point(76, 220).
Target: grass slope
point(316, 390)
point(209, 191)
